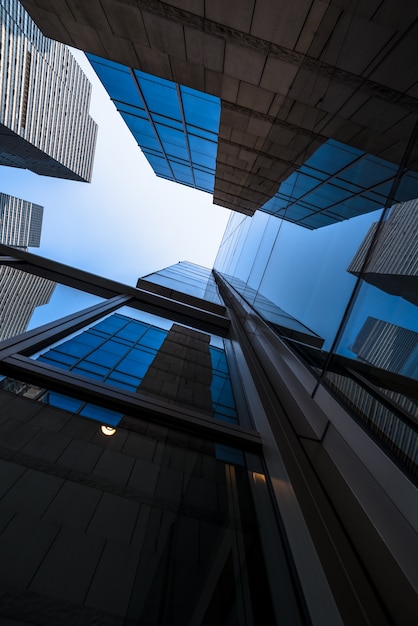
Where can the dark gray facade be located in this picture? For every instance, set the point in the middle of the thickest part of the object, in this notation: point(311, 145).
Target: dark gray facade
point(182, 516)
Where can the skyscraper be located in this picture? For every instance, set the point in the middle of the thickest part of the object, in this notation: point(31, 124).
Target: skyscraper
point(185, 452)
point(392, 264)
point(20, 293)
point(265, 107)
point(20, 222)
point(45, 124)
point(183, 456)
point(388, 346)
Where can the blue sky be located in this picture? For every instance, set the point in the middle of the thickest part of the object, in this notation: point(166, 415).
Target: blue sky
point(127, 222)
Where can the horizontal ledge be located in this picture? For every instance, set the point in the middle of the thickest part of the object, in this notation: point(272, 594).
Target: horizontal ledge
point(134, 404)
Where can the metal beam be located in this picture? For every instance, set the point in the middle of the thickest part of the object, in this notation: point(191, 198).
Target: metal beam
point(198, 317)
point(133, 404)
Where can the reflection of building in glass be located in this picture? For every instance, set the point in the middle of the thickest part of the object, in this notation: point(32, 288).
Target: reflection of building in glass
point(20, 293)
point(20, 222)
point(285, 324)
point(264, 108)
point(388, 346)
point(177, 365)
point(393, 263)
point(44, 101)
point(186, 281)
point(233, 470)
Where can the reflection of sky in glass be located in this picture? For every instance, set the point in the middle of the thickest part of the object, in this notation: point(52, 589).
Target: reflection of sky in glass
point(305, 273)
point(338, 182)
point(64, 301)
point(175, 126)
point(118, 350)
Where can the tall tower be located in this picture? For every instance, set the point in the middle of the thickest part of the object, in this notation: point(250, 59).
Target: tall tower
point(388, 346)
point(20, 293)
point(20, 222)
point(45, 124)
point(393, 263)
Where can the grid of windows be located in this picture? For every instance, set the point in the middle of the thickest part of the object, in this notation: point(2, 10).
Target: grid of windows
point(287, 325)
point(188, 278)
point(221, 389)
point(338, 182)
point(119, 350)
point(44, 100)
point(176, 127)
point(20, 222)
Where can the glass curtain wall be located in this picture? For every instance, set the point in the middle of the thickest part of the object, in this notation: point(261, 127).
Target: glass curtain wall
point(192, 505)
point(352, 283)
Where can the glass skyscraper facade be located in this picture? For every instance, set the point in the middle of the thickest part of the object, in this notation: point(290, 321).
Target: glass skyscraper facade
point(119, 351)
point(304, 136)
point(231, 430)
point(236, 445)
point(45, 124)
point(176, 127)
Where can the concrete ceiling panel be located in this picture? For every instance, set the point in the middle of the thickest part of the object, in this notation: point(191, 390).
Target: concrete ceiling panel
point(126, 21)
point(354, 43)
point(236, 14)
point(165, 35)
point(244, 63)
point(280, 23)
point(278, 75)
point(204, 49)
point(254, 98)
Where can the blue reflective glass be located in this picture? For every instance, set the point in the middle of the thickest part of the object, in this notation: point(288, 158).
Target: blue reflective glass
point(204, 133)
point(136, 111)
point(201, 109)
point(333, 156)
point(159, 164)
point(58, 359)
point(87, 373)
point(218, 359)
point(140, 127)
point(100, 414)
point(103, 357)
point(90, 339)
point(74, 347)
point(167, 121)
point(408, 186)
point(133, 367)
point(62, 402)
point(160, 95)
point(122, 385)
point(117, 81)
point(179, 153)
point(171, 137)
point(153, 338)
point(118, 377)
point(369, 172)
point(93, 367)
point(110, 324)
point(116, 347)
point(132, 332)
